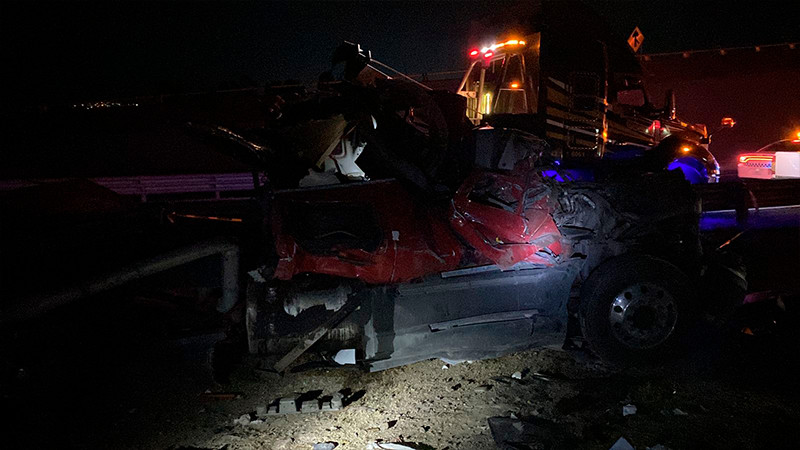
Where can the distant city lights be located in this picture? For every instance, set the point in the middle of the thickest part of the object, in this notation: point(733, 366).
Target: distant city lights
point(97, 105)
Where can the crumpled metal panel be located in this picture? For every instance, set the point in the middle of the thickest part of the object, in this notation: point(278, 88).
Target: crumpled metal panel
point(415, 240)
point(507, 219)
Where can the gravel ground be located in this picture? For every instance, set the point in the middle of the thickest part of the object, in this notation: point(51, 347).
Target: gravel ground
point(147, 393)
point(435, 405)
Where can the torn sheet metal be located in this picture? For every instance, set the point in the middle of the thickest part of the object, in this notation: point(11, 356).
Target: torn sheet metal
point(507, 218)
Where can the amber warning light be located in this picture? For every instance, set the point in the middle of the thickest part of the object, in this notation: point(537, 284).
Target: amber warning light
point(489, 50)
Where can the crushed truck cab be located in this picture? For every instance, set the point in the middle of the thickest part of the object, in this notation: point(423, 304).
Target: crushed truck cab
point(495, 267)
point(462, 242)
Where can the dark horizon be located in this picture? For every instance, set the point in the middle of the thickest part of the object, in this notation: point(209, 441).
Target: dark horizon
point(89, 50)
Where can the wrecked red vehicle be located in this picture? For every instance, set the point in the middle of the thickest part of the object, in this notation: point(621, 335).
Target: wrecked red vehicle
point(494, 272)
point(463, 245)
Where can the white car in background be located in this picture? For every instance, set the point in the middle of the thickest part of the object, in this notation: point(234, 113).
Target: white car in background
point(777, 160)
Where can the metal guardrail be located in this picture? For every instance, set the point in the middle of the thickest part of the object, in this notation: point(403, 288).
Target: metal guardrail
point(715, 196)
point(146, 185)
point(752, 193)
point(721, 51)
point(36, 305)
point(178, 184)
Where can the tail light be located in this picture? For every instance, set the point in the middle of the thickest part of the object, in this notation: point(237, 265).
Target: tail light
point(757, 158)
point(758, 161)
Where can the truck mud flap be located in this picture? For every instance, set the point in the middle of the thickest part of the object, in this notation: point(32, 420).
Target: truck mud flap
point(468, 318)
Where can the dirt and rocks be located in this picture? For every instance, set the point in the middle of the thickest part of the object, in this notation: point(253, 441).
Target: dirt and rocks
point(577, 404)
point(431, 403)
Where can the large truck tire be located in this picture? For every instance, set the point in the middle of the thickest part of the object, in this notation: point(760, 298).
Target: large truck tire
point(634, 309)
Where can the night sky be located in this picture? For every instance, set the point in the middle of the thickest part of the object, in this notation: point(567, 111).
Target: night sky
point(76, 50)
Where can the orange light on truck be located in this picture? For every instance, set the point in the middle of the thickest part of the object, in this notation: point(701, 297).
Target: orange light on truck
point(686, 149)
point(502, 44)
point(514, 85)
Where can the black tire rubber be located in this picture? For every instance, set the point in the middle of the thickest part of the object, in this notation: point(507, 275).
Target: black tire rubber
point(612, 278)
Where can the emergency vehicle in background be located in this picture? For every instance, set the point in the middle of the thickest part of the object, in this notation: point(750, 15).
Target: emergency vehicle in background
point(777, 160)
point(583, 92)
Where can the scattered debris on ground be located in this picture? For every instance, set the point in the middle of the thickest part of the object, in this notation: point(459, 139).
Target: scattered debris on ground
point(622, 444)
point(557, 401)
point(628, 410)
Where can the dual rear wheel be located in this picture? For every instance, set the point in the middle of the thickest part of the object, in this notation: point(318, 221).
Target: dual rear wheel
point(634, 308)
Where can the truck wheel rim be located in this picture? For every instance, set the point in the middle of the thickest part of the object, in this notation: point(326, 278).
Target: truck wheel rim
point(643, 315)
